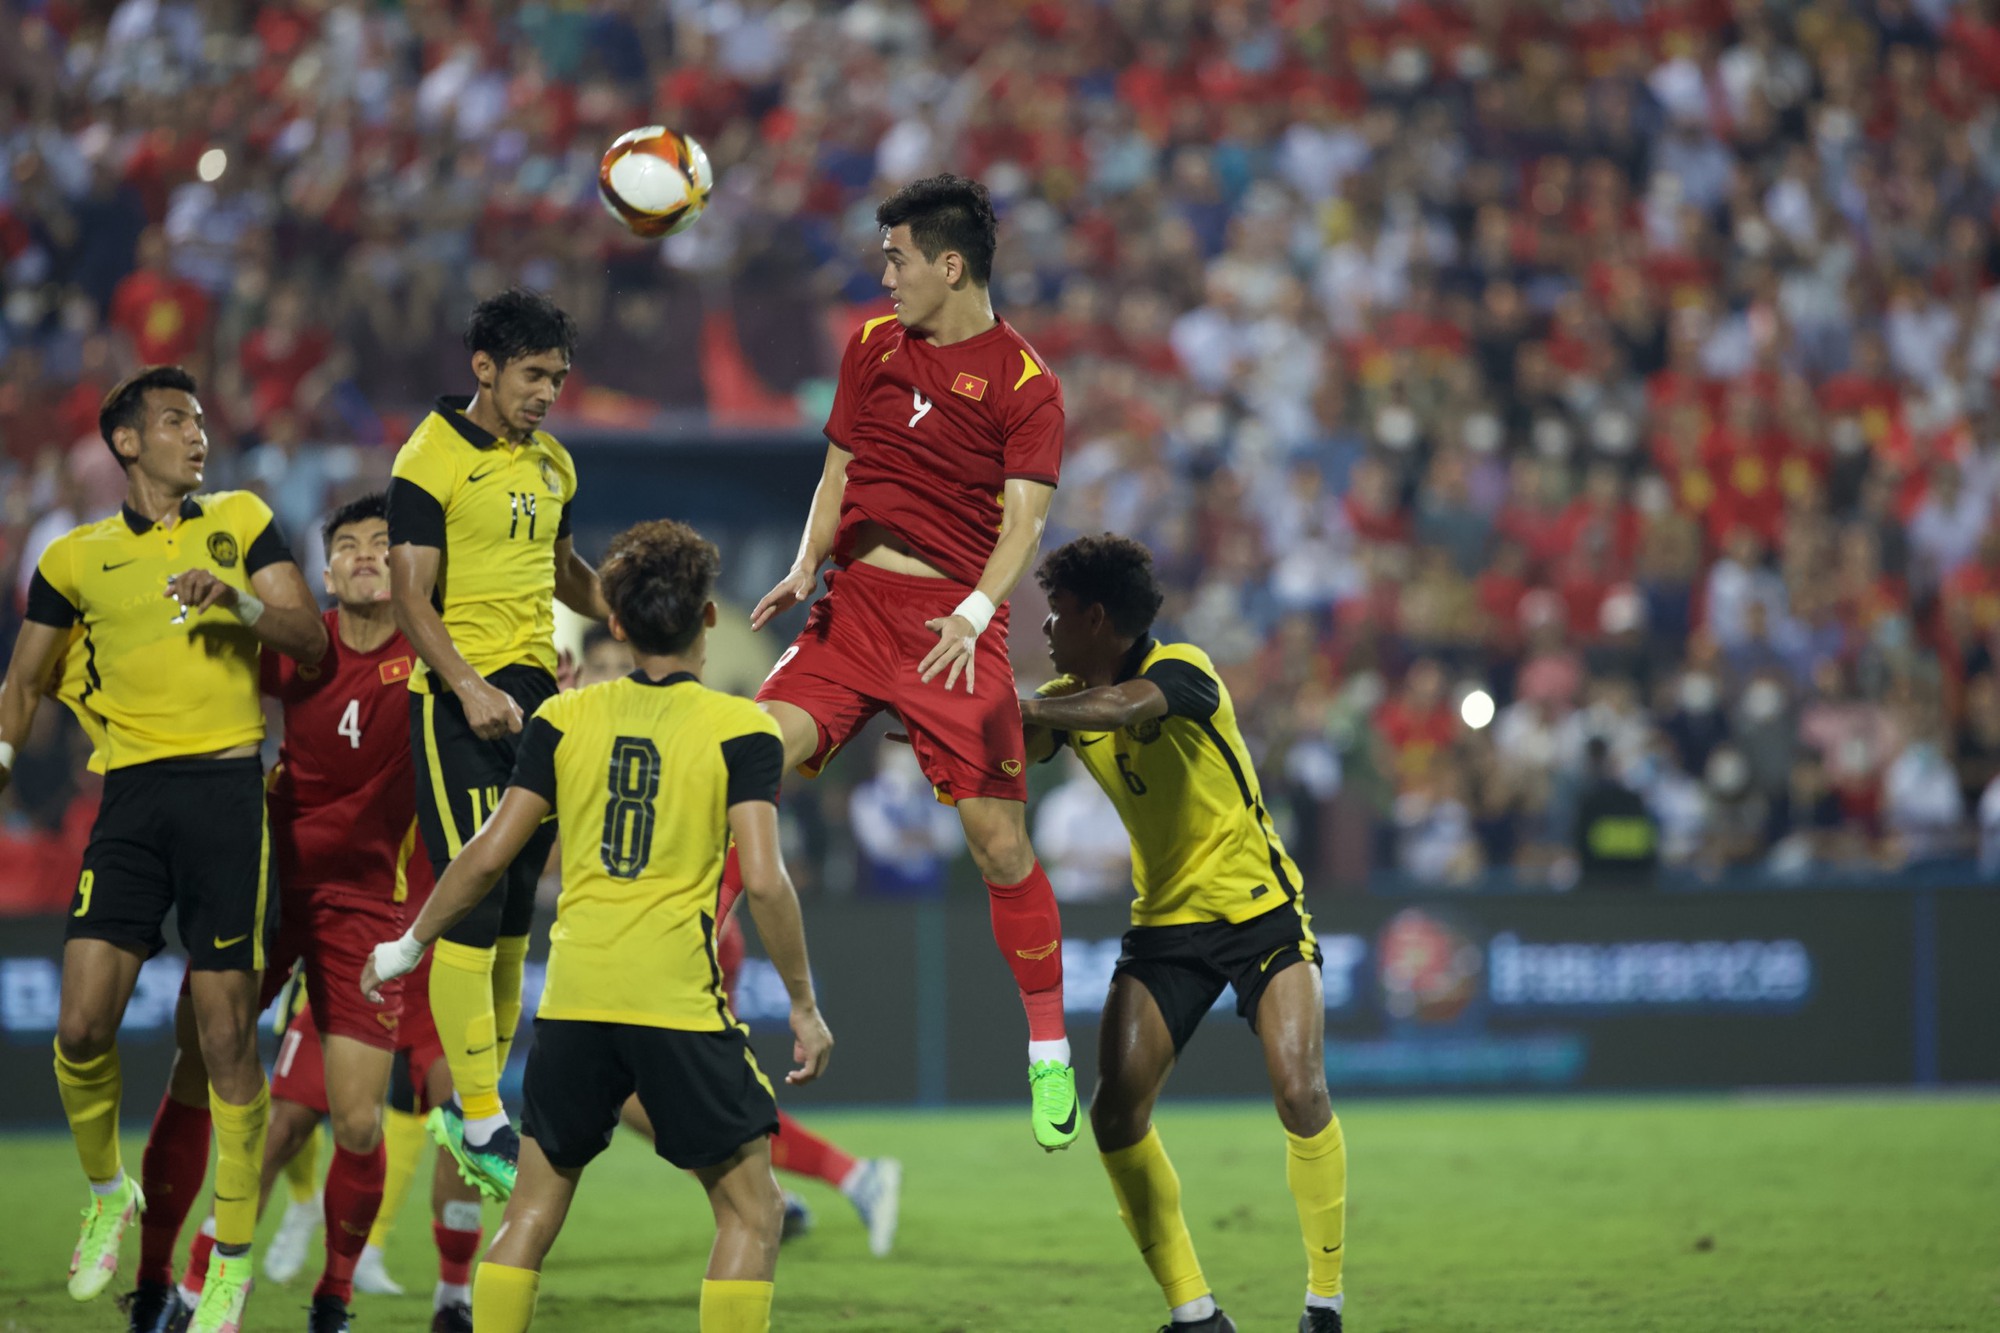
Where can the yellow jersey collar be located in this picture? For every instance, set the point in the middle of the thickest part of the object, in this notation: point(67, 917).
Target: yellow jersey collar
point(673, 679)
point(141, 525)
point(452, 408)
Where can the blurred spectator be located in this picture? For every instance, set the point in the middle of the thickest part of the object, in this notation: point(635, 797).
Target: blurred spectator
point(1617, 840)
point(1081, 840)
point(905, 836)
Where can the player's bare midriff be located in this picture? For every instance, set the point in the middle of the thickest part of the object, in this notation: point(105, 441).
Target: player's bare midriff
point(243, 751)
point(876, 545)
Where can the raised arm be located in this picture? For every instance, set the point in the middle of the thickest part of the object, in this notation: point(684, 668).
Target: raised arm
point(815, 544)
point(1107, 708)
point(37, 650)
point(1023, 515)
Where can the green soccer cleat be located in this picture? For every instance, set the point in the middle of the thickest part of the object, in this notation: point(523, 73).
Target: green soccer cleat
point(224, 1294)
point(488, 1168)
point(94, 1262)
point(1052, 1104)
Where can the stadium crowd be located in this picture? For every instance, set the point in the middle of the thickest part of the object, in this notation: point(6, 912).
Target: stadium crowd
point(1575, 368)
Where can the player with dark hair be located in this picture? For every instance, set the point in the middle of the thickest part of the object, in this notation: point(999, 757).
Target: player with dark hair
point(480, 552)
point(944, 446)
point(344, 840)
point(634, 1001)
point(1218, 904)
point(182, 824)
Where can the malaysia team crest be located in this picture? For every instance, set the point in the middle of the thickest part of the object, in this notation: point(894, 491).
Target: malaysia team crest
point(222, 549)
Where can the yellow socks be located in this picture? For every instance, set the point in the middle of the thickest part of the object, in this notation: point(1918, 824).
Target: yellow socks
point(302, 1172)
point(239, 1159)
point(510, 957)
point(462, 1005)
point(1316, 1173)
point(503, 1298)
point(403, 1138)
point(730, 1307)
point(1149, 1200)
point(90, 1092)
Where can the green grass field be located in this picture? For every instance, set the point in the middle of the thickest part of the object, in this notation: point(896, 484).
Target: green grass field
point(1685, 1215)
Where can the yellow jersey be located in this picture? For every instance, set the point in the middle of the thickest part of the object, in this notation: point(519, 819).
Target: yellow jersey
point(641, 775)
point(1203, 847)
point(160, 689)
point(495, 512)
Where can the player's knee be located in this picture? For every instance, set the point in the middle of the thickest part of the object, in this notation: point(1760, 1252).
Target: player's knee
point(1303, 1105)
point(1001, 850)
point(357, 1129)
point(1116, 1123)
point(228, 1042)
point(83, 1036)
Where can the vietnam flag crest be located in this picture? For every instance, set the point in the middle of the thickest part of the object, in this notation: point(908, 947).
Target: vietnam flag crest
point(396, 669)
point(970, 385)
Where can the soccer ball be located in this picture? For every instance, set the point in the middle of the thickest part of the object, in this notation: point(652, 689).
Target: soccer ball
point(655, 180)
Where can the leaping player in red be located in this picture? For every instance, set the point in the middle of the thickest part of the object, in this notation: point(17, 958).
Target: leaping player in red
point(944, 446)
point(342, 832)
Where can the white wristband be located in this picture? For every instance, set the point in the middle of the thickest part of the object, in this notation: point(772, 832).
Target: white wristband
point(249, 607)
point(393, 958)
point(978, 609)
point(6, 756)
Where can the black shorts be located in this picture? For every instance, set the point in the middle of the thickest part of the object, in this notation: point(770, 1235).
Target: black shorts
point(1186, 967)
point(460, 779)
point(185, 834)
point(702, 1091)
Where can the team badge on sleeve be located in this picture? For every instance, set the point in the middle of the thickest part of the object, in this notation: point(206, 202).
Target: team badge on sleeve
point(970, 385)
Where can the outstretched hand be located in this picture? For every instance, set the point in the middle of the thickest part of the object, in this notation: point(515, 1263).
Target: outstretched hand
point(957, 647)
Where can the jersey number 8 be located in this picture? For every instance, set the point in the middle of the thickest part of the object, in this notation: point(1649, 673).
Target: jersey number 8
point(628, 815)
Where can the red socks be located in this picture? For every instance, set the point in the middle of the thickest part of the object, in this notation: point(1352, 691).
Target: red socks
point(170, 1173)
point(732, 885)
point(456, 1249)
point(1028, 929)
point(203, 1246)
point(797, 1149)
point(353, 1197)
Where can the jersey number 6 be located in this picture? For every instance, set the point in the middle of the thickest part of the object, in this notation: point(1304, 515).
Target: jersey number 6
point(628, 816)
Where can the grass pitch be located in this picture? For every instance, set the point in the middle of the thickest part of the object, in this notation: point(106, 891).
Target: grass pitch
point(1554, 1216)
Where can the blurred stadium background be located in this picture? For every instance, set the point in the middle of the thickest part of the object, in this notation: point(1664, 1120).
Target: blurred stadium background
point(1487, 377)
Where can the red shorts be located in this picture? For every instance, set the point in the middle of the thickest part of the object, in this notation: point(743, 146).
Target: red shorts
point(858, 655)
point(299, 1075)
point(334, 932)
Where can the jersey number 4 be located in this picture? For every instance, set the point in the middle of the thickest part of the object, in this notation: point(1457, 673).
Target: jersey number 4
point(922, 404)
point(628, 814)
point(350, 723)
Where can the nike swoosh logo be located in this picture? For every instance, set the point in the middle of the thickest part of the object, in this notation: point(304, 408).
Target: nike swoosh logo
point(1092, 741)
point(120, 565)
point(221, 943)
point(483, 1049)
point(1266, 964)
point(1069, 1125)
point(224, 1198)
point(479, 476)
point(1328, 1249)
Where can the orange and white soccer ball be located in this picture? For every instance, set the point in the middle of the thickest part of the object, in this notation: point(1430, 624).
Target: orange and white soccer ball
point(655, 180)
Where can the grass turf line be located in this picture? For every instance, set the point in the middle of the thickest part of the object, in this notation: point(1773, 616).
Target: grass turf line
point(1792, 1215)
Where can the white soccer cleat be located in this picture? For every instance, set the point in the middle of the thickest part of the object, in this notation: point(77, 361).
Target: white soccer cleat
point(875, 1188)
point(372, 1275)
point(286, 1255)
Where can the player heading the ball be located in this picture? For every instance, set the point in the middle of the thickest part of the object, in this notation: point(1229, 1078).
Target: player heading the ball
point(944, 445)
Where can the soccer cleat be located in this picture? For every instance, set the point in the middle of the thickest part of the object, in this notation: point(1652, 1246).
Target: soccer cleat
point(455, 1317)
point(1052, 1104)
point(1319, 1319)
point(1215, 1323)
point(155, 1307)
point(488, 1168)
point(287, 1254)
point(876, 1191)
point(94, 1262)
point(329, 1315)
point(224, 1294)
point(798, 1217)
point(372, 1275)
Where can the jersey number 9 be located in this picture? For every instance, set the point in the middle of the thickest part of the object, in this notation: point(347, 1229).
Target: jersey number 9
point(628, 815)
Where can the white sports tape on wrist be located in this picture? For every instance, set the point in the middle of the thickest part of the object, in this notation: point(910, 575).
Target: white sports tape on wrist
point(978, 609)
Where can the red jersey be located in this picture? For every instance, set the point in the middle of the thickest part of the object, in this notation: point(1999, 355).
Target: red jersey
point(343, 797)
point(936, 433)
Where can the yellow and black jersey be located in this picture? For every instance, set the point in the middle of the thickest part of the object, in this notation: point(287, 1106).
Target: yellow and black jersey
point(1203, 848)
point(161, 688)
point(494, 511)
point(641, 774)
